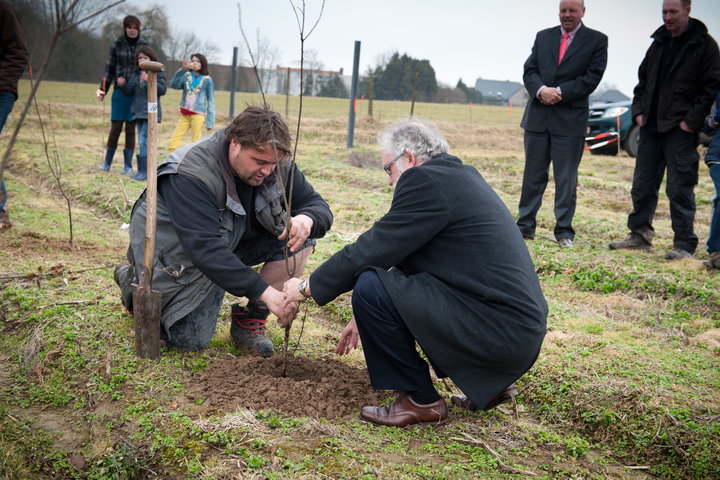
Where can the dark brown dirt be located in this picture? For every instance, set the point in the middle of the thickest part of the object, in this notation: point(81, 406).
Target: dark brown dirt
point(314, 387)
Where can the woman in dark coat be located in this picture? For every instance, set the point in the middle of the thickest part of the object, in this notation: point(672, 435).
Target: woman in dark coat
point(120, 64)
point(447, 268)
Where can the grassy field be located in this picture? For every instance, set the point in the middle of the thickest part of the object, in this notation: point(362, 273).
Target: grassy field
point(627, 384)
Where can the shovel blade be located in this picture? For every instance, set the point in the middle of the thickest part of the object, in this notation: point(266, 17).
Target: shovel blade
point(147, 305)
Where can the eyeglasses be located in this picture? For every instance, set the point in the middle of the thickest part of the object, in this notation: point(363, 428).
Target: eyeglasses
point(389, 165)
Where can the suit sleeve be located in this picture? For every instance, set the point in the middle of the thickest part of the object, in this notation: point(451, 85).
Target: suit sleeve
point(417, 214)
point(583, 85)
point(531, 71)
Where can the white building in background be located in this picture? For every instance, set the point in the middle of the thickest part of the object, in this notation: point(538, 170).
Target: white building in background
point(275, 82)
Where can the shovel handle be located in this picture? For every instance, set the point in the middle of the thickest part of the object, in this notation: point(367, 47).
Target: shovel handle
point(151, 196)
point(151, 66)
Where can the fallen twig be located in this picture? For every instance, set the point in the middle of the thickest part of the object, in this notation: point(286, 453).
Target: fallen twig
point(495, 455)
point(73, 302)
point(108, 358)
point(60, 271)
point(124, 192)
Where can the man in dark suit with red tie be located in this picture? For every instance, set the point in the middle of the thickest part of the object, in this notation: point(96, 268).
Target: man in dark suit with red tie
point(565, 66)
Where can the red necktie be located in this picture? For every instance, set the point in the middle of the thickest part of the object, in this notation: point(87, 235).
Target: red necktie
point(563, 46)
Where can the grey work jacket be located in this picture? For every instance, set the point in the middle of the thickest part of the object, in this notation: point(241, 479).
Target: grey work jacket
point(182, 284)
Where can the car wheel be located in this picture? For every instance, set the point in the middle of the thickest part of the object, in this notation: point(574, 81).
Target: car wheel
point(632, 140)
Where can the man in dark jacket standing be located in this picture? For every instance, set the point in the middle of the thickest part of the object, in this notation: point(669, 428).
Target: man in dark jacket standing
point(220, 211)
point(565, 66)
point(432, 271)
point(677, 83)
point(13, 60)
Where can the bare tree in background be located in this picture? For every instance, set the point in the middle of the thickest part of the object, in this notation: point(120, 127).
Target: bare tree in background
point(312, 79)
point(180, 46)
point(265, 59)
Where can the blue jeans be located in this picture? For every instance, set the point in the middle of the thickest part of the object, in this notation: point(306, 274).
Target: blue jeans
point(141, 126)
point(713, 241)
point(194, 331)
point(3, 199)
point(6, 104)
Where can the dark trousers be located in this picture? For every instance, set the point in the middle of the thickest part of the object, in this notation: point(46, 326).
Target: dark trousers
point(114, 135)
point(565, 153)
point(676, 153)
point(392, 358)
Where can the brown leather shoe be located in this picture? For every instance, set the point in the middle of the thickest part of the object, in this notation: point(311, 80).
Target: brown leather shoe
point(461, 401)
point(406, 412)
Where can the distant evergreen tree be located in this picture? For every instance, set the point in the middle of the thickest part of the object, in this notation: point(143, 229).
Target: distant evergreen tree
point(333, 87)
point(394, 81)
point(471, 94)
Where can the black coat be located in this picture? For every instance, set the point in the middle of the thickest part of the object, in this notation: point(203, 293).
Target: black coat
point(463, 280)
point(579, 73)
point(13, 52)
point(691, 82)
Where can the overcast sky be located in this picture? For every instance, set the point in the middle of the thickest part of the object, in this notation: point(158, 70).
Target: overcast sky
point(461, 38)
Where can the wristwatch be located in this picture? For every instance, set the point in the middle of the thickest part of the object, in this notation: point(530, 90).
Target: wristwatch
point(301, 287)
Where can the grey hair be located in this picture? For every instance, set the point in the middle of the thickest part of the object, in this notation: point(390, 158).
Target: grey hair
point(411, 134)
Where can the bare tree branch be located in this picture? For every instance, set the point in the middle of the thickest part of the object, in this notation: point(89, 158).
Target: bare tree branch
point(92, 15)
point(60, 28)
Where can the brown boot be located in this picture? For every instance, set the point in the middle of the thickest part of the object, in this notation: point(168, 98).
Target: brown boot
point(714, 261)
point(633, 242)
point(247, 329)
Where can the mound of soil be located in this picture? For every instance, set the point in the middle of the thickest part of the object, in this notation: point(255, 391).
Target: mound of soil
point(317, 388)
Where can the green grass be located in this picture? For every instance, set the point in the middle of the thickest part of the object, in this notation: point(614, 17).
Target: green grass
point(628, 374)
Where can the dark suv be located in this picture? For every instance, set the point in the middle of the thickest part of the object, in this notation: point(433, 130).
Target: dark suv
point(603, 127)
point(602, 131)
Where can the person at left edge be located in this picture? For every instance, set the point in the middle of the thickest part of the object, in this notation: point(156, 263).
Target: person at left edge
point(13, 60)
point(219, 213)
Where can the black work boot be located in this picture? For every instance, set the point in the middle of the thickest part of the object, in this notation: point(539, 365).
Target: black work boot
point(634, 241)
point(247, 328)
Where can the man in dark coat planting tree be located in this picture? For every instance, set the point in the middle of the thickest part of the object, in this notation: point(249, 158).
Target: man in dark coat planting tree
point(447, 268)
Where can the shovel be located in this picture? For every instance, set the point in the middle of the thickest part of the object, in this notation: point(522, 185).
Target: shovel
point(147, 302)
